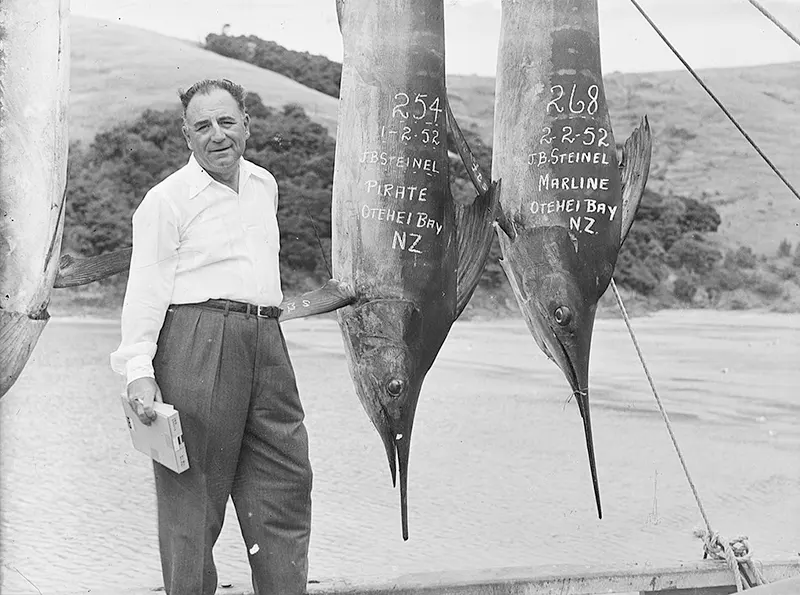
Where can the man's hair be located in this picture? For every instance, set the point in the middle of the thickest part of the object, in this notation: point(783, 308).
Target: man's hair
point(206, 86)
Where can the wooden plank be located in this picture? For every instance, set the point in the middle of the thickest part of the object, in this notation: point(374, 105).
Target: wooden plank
point(700, 591)
point(556, 580)
point(790, 586)
point(694, 578)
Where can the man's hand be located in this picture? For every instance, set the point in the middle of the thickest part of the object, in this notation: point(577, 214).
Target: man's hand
point(142, 392)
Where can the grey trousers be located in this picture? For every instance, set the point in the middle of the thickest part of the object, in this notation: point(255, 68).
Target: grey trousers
point(230, 378)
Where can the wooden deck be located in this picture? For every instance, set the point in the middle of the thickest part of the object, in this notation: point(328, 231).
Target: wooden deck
point(696, 578)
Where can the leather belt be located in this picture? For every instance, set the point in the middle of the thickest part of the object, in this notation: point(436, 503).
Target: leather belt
point(242, 308)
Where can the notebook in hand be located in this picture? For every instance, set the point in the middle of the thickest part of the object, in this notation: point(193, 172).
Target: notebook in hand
point(162, 440)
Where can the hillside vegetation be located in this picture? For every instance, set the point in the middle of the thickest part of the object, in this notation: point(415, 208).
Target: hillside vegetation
point(694, 243)
point(697, 152)
point(118, 72)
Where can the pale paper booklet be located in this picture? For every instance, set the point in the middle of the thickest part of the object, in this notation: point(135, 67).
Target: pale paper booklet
point(162, 440)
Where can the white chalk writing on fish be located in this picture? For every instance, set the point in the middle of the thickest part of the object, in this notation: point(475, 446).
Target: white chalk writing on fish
point(416, 219)
point(574, 183)
point(397, 191)
point(588, 205)
point(400, 161)
point(556, 157)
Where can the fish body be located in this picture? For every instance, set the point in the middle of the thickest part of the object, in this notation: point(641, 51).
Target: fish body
point(34, 86)
point(565, 203)
point(408, 254)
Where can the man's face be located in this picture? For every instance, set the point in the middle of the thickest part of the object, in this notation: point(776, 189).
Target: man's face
point(216, 131)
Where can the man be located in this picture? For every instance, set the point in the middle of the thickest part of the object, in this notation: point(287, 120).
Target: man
point(200, 331)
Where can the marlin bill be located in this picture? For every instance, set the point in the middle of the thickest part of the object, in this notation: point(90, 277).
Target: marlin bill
point(567, 200)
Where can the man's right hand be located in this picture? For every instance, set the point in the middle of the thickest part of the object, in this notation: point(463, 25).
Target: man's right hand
point(142, 393)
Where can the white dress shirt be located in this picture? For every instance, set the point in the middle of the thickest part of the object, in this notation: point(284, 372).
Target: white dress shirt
point(195, 239)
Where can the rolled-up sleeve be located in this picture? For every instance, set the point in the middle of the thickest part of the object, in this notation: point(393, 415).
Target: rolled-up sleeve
point(151, 279)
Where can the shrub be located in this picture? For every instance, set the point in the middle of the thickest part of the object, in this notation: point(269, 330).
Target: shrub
point(692, 252)
point(684, 288)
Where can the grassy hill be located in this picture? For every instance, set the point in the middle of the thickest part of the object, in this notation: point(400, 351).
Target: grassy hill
point(697, 152)
point(118, 71)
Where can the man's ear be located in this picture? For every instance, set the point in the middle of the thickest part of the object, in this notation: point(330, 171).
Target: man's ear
point(247, 125)
point(185, 131)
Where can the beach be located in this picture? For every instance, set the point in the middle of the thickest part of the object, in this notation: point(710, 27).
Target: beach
point(498, 475)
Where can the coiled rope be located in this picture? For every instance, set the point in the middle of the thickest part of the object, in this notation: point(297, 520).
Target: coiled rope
point(737, 552)
point(775, 21)
point(717, 101)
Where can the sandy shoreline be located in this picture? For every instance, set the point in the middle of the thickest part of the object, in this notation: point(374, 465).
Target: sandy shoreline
point(498, 466)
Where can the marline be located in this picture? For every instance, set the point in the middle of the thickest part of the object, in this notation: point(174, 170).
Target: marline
point(556, 183)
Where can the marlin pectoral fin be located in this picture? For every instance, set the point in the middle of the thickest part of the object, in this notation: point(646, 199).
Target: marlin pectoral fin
point(81, 271)
point(523, 301)
point(479, 180)
point(635, 167)
point(331, 296)
point(505, 247)
point(474, 239)
point(504, 224)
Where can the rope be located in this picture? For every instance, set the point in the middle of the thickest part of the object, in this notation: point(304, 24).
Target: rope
point(777, 23)
point(737, 554)
point(717, 101)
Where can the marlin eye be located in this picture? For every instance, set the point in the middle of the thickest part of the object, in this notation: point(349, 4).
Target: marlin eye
point(562, 315)
point(395, 387)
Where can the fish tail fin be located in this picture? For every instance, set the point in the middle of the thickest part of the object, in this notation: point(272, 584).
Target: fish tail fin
point(583, 405)
point(634, 170)
point(19, 334)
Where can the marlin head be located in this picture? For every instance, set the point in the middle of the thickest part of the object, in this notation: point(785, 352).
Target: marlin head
point(558, 299)
point(379, 337)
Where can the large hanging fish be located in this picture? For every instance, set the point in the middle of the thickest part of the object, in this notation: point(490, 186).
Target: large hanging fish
point(409, 257)
point(34, 83)
point(566, 202)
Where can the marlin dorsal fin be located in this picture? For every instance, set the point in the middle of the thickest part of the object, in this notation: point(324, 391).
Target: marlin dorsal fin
point(634, 169)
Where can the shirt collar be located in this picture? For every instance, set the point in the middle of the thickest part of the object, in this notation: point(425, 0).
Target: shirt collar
point(199, 179)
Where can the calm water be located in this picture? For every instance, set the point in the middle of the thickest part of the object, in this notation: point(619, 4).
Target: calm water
point(498, 466)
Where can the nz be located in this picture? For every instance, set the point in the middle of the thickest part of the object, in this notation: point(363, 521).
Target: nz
point(575, 223)
point(400, 238)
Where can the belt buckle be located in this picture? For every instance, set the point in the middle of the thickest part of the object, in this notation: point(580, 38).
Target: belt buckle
point(259, 311)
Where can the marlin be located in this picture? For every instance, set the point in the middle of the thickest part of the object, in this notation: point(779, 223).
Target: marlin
point(34, 86)
point(406, 255)
point(567, 201)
